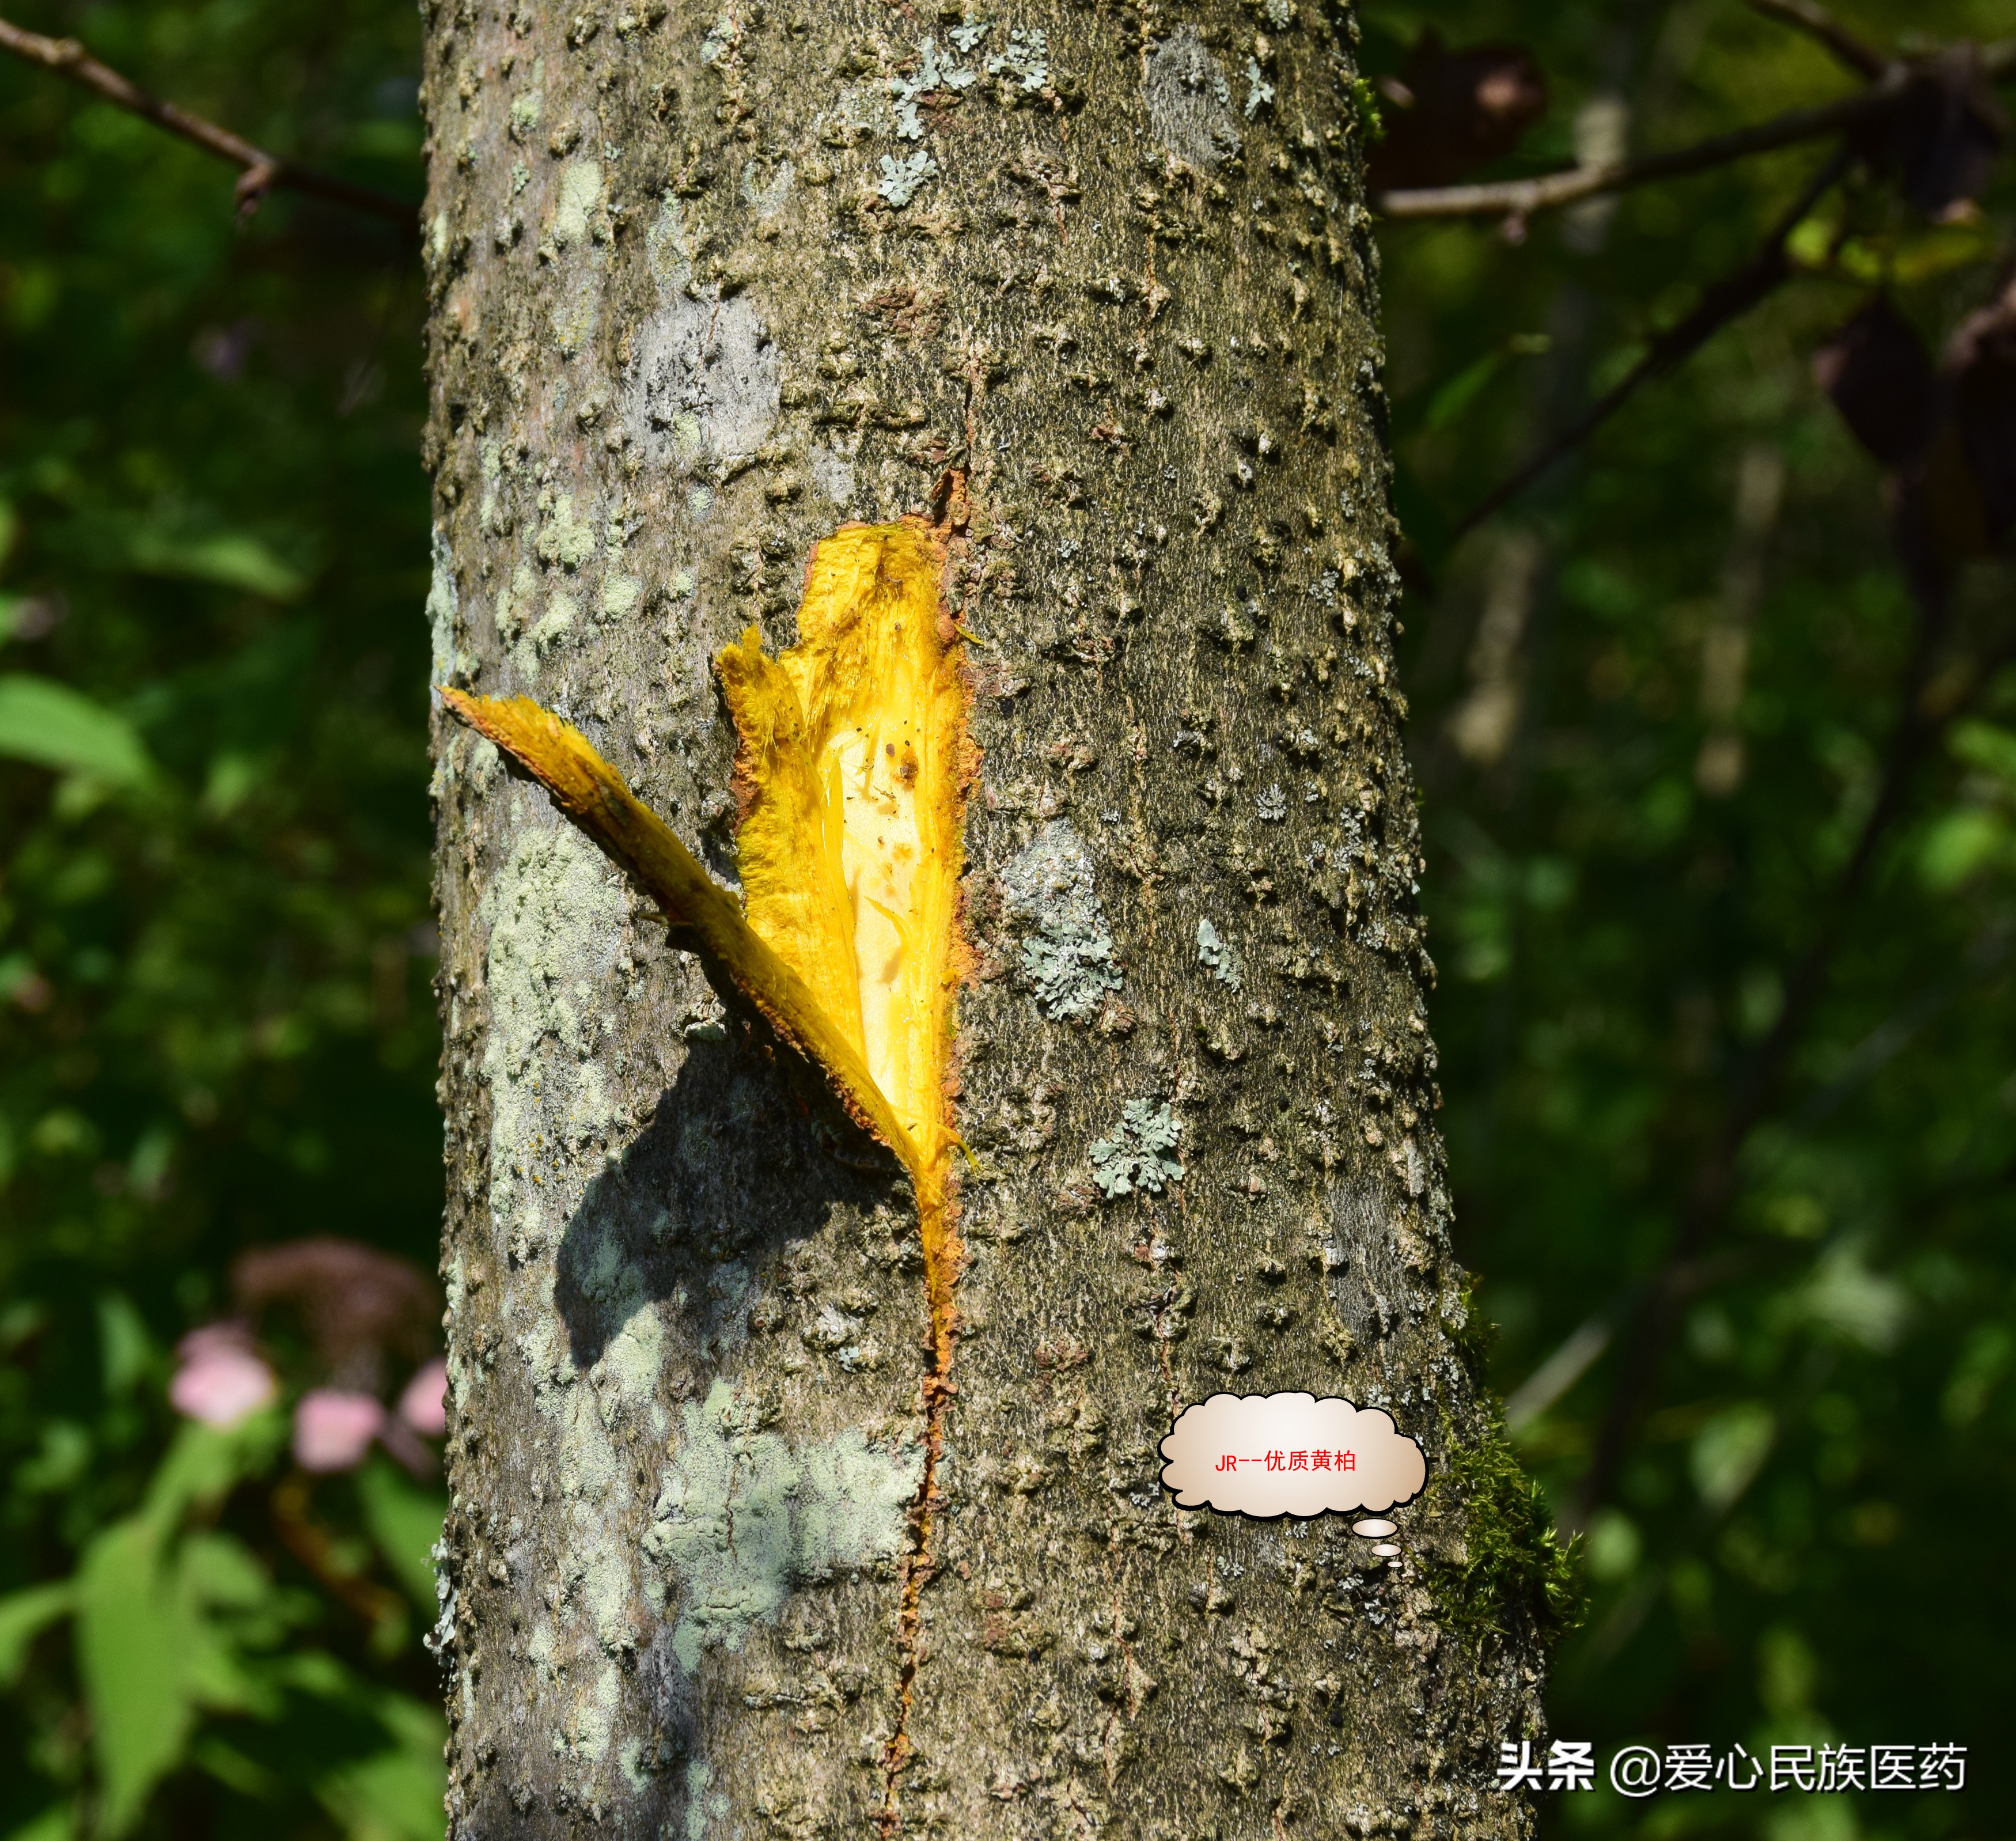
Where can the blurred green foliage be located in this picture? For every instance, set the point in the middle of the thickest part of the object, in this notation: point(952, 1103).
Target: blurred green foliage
point(215, 1026)
point(1652, 701)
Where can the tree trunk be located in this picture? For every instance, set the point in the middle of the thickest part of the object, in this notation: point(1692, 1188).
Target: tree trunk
point(743, 1541)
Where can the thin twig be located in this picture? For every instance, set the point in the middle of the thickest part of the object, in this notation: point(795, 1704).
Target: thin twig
point(1816, 22)
point(1721, 301)
point(1520, 198)
point(259, 172)
point(1516, 198)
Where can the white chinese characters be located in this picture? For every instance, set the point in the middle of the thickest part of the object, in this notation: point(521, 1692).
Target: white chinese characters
point(1639, 1770)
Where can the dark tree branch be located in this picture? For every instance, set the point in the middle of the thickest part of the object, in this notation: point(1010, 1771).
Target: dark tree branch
point(1520, 198)
point(1721, 302)
point(1889, 82)
point(259, 172)
point(1816, 22)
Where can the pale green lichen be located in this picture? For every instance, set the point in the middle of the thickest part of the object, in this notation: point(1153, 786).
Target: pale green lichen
point(702, 1801)
point(492, 471)
point(513, 608)
point(1221, 955)
point(1259, 92)
point(743, 1517)
point(581, 192)
point(1141, 1153)
point(566, 540)
point(589, 1725)
point(902, 178)
point(1068, 954)
point(553, 626)
point(1026, 60)
point(620, 595)
point(556, 914)
point(444, 610)
point(557, 920)
point(527, 104)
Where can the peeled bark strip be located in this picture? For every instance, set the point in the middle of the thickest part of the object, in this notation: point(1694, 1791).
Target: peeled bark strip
point(747, 1538)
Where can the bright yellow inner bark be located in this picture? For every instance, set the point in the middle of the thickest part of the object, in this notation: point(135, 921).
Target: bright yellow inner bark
point(851, 776)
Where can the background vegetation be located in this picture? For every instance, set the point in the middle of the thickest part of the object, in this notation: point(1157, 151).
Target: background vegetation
point(1656, 701)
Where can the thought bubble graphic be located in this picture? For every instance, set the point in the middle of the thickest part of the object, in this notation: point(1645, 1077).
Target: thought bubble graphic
point(1273, 1454)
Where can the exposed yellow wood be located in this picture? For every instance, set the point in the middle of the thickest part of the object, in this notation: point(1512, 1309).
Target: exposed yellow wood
point(592, 793)
point(851, 775)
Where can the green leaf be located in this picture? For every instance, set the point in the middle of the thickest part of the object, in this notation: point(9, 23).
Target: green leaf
point(125, 1349)
point(148, 1650)
point(24, 1616)
point(230, 561)
point(56, 1823)
point(1454, 397)
point(53, 725)
point(405, 1522)
point(206, 1461)
point(133, 1637)
point(1729, 1451)
point(229, 1600)
point(1960, 843)
point(1982, 745)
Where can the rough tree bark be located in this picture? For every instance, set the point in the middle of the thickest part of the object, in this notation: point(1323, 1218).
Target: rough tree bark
point(1091, 289)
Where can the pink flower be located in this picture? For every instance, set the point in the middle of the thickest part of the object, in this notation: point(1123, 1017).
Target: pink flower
point(333, 1429)
point(220, 1380)
point(424, 1404)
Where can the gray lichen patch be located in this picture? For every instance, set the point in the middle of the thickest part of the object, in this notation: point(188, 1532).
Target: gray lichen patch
point(565, 539)
point(1259, 92)
point(902, 178)
point(1068, 954)
point(444, 611)
point(1141, 1153)
point(1220, 956)
point(704, 386)
point(1190, 102)
point(934, 73)
point(581, 192)
point(767, 190)
point(1026, 60)
point(557, 916)
point(744, 1517)
point(833, 472)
